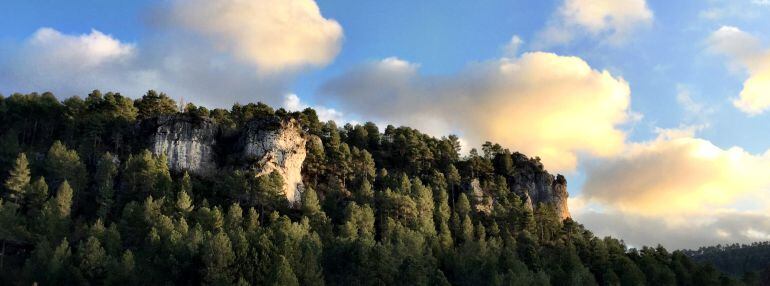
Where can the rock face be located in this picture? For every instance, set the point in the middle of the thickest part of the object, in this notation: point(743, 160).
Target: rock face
point(541, 187)
point(277, 145)
point(481, 202)
point(533, 183)
point(187, 142)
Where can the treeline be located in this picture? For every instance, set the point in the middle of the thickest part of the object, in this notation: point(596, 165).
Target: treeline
point(83, 202)
point(737, 259)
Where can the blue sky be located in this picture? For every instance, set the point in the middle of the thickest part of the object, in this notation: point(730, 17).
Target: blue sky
point(683, 63)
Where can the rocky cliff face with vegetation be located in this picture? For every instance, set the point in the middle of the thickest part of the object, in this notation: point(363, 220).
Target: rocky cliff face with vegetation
point(188, 143)
point(112, 191)
point(543, 188)
point(269, 145)
point(277, 146)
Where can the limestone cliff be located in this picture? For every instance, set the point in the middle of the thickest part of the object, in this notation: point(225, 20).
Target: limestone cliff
point(277, 145)
point(537, 186)
point(187, 142)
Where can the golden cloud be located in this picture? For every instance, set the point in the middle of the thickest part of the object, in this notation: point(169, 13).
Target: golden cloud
point(678, 175)
point(539, 103)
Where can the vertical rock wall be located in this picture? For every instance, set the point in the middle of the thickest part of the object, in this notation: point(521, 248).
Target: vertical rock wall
point(186, 142)
point(278, 146)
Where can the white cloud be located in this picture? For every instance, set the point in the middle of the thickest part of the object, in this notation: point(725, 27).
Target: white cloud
point(88, 50)
point(275, 35)
point(543, 104)
point(292, 102)
point(241, 51)
point(746, 52)
point(613, 20)
point(71, 64)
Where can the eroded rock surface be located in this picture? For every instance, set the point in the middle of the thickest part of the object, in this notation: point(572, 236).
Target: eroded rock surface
point(538, 186)
point(187, 142)
point(277, 145)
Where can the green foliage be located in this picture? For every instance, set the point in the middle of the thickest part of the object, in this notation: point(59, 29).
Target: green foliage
point(378, 208)
point(18, 178)
point(64, 164)
point(155, 104)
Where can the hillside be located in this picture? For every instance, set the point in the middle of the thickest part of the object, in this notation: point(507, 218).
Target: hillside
point(736, 259)
point(109, 190)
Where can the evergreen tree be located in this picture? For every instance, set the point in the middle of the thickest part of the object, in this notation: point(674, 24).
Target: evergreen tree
point(155, 104)
point(18, 178)
point(104, 180)
point(283, 275)
point(218, 257)
point(64, 164)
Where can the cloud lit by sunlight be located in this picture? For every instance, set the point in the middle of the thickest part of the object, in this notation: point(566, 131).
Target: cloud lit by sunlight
point(542, 104)
point(272, 34)
point(613, 20)
point(746, 51)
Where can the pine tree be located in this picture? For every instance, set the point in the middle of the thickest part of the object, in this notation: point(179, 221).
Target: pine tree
point(92, 259)
point(218, 258)
point(63, 164)
point(36, 197)
point(463, 205)
point(283, 275)
point(183, 203)
point(310, 204)
point(18, 178)
point(234, 217)
point(63, 200)
point(105, 184)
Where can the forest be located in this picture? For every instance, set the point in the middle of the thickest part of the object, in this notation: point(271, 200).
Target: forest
point(85, 201)
point(735, 259)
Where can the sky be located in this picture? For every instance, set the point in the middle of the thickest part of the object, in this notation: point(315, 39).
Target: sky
point(656, 111)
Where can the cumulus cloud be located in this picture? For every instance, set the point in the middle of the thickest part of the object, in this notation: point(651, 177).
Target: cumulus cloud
point(613, 20)
point(272, 34)
point(539, 103)
point(677, 175)
point(241, 51)
point(71, 64)
point(678, 190)
point(747, 53)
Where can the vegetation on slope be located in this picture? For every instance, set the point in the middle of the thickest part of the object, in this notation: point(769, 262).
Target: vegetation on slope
point(83, 202)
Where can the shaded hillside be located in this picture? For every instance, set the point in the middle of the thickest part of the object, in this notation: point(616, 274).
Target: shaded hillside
point(108, 190)
point(736, 259)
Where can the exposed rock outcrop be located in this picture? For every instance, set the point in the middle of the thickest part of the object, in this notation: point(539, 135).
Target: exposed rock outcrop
point(187, 142)
point(481, 202)
point(277, 145)
point(542, 187)
point(532, 182)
